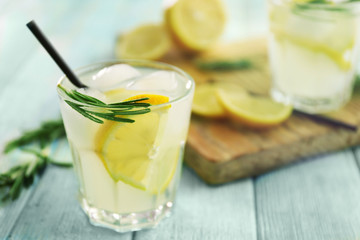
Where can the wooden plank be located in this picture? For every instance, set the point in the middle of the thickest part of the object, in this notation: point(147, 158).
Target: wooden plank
point(207, 212)
point(54, 213)
point(10, 212)
point(221, 151)
point(317, 199)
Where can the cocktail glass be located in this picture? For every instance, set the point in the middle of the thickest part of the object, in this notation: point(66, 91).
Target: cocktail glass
point(128, 172)
point(313, 52)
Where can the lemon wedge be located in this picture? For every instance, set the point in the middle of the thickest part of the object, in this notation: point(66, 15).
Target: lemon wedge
point(196, 24)
point(205, 102)
point(130, 151)
point(256, 112)
point(149, 42)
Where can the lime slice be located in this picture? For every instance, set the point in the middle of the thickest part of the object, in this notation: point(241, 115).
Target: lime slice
point(145, 42)
point(130, 151)
point(196, 25)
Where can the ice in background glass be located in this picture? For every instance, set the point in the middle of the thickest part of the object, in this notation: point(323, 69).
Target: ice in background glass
point(313, 51)
point(129, 172)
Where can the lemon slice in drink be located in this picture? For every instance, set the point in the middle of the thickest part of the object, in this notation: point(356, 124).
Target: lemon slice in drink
point(196, 24)
point(257, 112)
point(149, 41)
point(206, 103)
point(129, 150)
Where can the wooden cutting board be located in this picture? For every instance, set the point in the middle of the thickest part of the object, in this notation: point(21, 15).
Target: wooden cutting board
point(221, 151)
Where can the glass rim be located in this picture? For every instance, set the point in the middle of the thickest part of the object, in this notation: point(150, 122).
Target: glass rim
point(132, 62)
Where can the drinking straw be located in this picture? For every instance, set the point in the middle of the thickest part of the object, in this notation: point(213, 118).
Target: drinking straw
point(54, 54)
point(328, 120)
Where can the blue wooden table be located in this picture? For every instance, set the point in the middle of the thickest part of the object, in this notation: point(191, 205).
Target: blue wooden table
point(317, 198)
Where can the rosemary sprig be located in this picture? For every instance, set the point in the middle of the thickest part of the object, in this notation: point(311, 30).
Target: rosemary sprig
point(334, 6)
point(47, 132)
point(357, 81)
point(23, 175)
point(224, 65)
point(113, 111)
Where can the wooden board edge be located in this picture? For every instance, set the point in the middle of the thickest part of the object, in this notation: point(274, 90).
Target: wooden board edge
point(264, 161)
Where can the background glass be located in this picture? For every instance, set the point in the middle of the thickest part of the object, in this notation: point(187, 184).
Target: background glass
point(313, 51)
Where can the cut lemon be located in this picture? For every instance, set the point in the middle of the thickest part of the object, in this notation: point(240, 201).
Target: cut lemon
point(257, 112)
point(196, 24)
point(153, 99)
point(145, 42)
point(131, 152)
point(336, 52)
point(205, 102)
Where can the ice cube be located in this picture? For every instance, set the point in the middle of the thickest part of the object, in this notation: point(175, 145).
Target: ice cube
point(113, 76)
point(164, 81)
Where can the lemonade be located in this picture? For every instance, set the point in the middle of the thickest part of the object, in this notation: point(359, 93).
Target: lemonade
point(313, 51)
point(129, 172)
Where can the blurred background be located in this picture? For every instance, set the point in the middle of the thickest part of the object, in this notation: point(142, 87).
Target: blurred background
point(84, 31)
point(71, 21)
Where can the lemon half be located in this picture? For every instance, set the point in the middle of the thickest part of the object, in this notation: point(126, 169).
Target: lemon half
point(149, 42)
point(196, 24)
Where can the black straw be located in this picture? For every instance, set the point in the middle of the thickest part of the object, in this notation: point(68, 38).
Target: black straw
point(54, 54)
point(329, 120)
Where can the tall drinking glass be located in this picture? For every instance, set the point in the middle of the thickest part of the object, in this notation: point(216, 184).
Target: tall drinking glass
point(313, 50)
point(128, 172)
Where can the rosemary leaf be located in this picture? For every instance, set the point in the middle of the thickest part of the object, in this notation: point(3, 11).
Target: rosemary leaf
point(135, 112)
point(16, 187)
point(113, 117)
point(224, 65)
point(133, 101)
point(88, 98)
point(60, 164)
point(28, 181)
point(83, 112)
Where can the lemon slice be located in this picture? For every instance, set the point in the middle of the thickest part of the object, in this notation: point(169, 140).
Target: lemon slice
point(196, 24)
point(145, 42)
point(336, 52)
point(257, 112)
point(130, 151)
point(205, 102)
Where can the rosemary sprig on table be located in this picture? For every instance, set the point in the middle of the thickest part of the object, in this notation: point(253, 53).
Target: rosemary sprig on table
point(22, 175)
point(47, 132)
point(224, 65)
point(112, 111)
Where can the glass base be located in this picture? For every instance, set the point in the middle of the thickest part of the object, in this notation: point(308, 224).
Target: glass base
point(126, 222)
point(312, 105)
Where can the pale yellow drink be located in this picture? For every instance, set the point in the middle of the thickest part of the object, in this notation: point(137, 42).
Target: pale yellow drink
point(313, 50)
point(129, 172)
